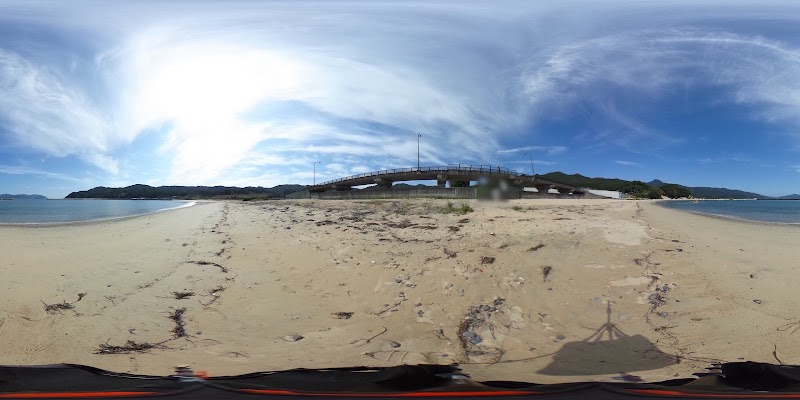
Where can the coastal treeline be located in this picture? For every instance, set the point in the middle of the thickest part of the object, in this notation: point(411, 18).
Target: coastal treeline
point(184, 192)
point(653, 189)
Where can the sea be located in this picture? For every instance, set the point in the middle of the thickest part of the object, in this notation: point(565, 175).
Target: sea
point(781, 211)
point(64, 211)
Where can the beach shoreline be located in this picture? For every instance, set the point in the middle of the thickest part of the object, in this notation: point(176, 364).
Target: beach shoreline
point(535, 281)
point(189, 203)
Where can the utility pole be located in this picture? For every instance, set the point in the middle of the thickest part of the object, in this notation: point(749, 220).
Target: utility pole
point(419, 135)
point(315, 171)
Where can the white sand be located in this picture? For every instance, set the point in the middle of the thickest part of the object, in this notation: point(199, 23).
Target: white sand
point(289, 270)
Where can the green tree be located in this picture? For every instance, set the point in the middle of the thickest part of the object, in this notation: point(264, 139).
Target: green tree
point(674, 191)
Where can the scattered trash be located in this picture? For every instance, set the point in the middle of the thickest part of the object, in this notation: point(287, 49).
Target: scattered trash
point(463, 221)
point(292, 338)
point(663, 314)
point(560, 337)
point(56, 308)
point(628, 378)
point(129, 347)
point(342, 315)
point(546, 270)
point(487, 260)
point(499, 301)
point(536, 248)
point(177, 316)
point(393, 343)
point(757, 301)
point(475, 339)
point(182, 295)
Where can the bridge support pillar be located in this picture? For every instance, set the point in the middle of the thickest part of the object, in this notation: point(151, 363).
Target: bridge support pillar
point(342, 188)
point(564, 190)
point(384, 183)
point(542, 188)
point(441, 181)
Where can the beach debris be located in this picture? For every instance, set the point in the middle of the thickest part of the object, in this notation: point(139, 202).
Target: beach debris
point(450, 254)
point(628, 378)
point(221, 268)
point(182, 295)
point(177, 317)
point(58, 307)
point(487, 260)
point(463, 221)
point(439, 332)
point(656, 300)
point(129, 347)
point(663, 314)
point(536, 248)
point(368, 340)
point(392, 343)
point(499, 301)
point(560, 337)
point(757, 301)
point(342, 315)
point(546, 270)
point(293, 338)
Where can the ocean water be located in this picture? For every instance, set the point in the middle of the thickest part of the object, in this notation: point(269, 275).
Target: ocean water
point(783, 211)
point(60, 211)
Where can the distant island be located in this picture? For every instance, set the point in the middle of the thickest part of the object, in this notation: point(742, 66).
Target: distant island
point(6, 196)
point(185, 192)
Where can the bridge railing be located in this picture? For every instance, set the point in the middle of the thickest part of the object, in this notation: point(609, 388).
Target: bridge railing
point(486, 169)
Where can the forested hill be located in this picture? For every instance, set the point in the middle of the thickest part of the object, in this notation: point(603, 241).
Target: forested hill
point(183, 192)
point(651, 188)
point(23, 196)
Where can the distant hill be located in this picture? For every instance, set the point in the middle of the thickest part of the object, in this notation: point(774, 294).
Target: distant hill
point(183, 192)
point(723, 193)
point(633, 187)
point(790, 197)
point(23, 196)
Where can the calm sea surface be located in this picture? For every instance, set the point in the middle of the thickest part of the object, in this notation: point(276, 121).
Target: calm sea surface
point(56, 211)
point(785, 211)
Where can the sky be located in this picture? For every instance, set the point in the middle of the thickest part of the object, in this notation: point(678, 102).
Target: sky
point(261, 93)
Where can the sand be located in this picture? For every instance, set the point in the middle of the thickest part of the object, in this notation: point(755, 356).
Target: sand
point(265, 274)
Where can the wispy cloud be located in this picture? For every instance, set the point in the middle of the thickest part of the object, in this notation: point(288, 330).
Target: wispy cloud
point(723, 158)
point(627, 163)
point(549, 150)
point(24, 170)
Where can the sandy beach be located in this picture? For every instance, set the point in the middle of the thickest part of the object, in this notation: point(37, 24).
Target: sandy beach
point(530, 290)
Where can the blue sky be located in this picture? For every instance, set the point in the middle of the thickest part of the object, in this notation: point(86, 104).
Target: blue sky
point(253, 92)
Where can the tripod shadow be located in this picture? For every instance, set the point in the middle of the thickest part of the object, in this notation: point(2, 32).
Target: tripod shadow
point(607, 351)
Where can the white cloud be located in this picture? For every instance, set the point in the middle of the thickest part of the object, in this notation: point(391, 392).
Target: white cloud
point(550, 150)
point(24, 170)
point(368, 80)
point(42, 112)
point(627, 163)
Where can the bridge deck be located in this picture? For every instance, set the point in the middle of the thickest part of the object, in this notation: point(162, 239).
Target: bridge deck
point(440, 174)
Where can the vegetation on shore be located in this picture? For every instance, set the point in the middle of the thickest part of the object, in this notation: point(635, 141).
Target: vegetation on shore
point(653, 189)
point(185, 192)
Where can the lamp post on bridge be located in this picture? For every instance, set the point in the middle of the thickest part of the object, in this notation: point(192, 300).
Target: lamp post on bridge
point(419, 135)
point(533, 173)
point(315, 171)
